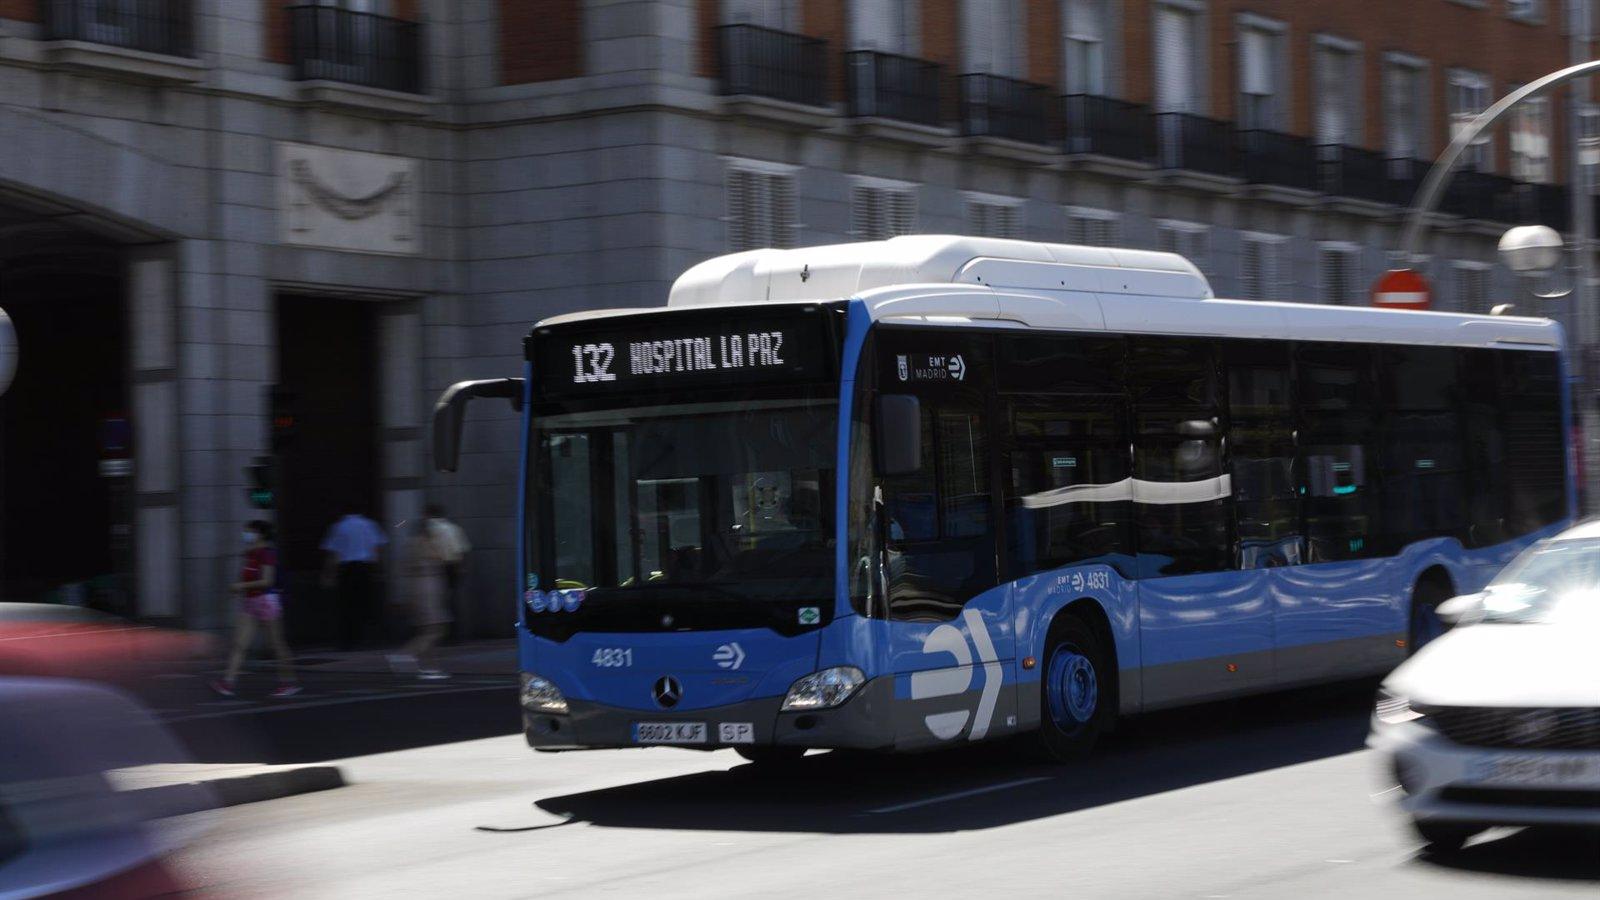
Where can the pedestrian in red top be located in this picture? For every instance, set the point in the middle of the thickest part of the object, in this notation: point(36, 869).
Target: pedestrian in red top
point(260, 604)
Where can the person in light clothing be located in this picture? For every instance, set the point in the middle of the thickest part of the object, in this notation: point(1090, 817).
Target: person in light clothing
point(353, 548)
point(453, 547)
point(424, 593)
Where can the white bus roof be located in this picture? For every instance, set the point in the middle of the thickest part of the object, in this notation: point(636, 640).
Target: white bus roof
point(952, 279)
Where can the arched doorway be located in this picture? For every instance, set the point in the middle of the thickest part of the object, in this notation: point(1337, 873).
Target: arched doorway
point(66, 489)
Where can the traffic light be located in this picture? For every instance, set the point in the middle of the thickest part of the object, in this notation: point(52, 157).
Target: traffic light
point(262, 490)
point(284, 422)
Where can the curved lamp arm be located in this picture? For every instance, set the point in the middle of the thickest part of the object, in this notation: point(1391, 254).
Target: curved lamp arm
point(1438, 176)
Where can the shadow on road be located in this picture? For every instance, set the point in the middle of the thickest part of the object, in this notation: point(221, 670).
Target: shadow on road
point(990, 786)
point(1566, 854)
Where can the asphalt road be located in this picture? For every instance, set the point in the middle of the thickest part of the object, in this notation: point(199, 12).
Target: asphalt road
point(339, 713)
point(1268, 798)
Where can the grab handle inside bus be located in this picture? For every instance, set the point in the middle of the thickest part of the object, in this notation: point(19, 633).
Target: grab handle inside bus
point(899, 434)
point(451, 411)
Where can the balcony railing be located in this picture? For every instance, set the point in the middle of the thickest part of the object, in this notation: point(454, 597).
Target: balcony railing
point(1361, 174)
point(764, 62)
point(1543, 204)
point(1405, 177)
point(1196, 143)
point(1480, 195)
point(153, 26)
point(995, 106)
point(356, 48)
point(1272, 157)
point(1105, 126)
point(883, 85)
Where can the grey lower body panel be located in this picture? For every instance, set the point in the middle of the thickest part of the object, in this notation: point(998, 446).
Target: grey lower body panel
point(864, 722)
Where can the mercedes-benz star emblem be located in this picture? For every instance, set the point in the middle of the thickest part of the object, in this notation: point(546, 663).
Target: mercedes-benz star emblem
point(667, 692)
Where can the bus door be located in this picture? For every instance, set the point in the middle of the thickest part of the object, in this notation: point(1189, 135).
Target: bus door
point(1205, 628)
point(952, 642)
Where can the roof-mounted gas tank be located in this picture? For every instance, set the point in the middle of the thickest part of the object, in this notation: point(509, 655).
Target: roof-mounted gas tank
point(844, 270)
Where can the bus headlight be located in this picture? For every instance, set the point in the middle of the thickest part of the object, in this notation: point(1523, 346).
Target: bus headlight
point(540, 695)
point(824, 690)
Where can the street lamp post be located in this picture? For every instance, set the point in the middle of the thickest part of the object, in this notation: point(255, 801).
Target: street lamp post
point(1582, 334)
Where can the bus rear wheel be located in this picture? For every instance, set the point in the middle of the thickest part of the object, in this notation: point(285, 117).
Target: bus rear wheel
point(1072, 697)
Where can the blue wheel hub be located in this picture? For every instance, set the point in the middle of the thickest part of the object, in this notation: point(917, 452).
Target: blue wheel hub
point(1072, 687)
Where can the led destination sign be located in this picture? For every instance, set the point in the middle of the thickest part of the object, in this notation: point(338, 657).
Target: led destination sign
point(660, 352)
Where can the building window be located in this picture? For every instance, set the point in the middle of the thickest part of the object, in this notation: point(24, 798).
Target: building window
point(1085, 56)
point(881, 209)
point(1094, 227)
point(1260, 61)
point(890, 26)
point(1468, 95)
point(1530, 141)
point(1338, 273)
point(1405, 107)
point(992, 216)
point(1530, 11)
point(1177, 60)
point(1472, 287)
point(1337, 70)
point(993, 37)
point(761, 205)
point(1261, 265)
point(1191, 240)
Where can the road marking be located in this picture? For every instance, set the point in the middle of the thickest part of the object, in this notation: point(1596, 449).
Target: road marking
point(291, 706)
point(958, 795)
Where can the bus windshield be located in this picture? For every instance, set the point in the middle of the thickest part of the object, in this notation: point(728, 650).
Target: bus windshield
point(729, 499)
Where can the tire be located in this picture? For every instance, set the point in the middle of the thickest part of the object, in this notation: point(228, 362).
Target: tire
point(1422, 622)
point(1444, 837)
point(771, 757)
point(1073, 692)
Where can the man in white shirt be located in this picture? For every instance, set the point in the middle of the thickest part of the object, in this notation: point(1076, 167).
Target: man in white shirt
point(452, 539)
point(352, 550)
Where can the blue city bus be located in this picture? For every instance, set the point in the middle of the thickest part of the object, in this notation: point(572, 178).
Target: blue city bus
point(914, 493)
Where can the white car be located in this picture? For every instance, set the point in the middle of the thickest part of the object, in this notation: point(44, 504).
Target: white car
point(1497, 722)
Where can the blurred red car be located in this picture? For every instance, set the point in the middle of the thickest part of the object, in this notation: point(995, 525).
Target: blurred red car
point(69, 826)
point(53, 640)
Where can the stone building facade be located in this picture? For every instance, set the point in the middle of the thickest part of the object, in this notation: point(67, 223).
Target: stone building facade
point(291, 225)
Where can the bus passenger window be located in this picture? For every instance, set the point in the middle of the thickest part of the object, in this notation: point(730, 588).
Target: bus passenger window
point(1483, 448)
point(964, 475)
point(939, 539)
point(1338, 410)
point(1421, 447)
point(1530, 410)
point(1181, 494)
point(1069, 500)
point(1261, 452)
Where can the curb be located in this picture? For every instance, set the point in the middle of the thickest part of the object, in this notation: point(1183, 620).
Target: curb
point(242, 789)
point(203, 794)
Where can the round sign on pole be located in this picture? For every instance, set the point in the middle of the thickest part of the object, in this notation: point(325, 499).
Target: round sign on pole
point(1402, 289)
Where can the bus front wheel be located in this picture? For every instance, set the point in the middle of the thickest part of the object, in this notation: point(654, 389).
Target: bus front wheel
point(1075, 689)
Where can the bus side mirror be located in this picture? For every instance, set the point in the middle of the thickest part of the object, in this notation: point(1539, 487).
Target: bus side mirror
point(899, 434)
point(451, 411)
